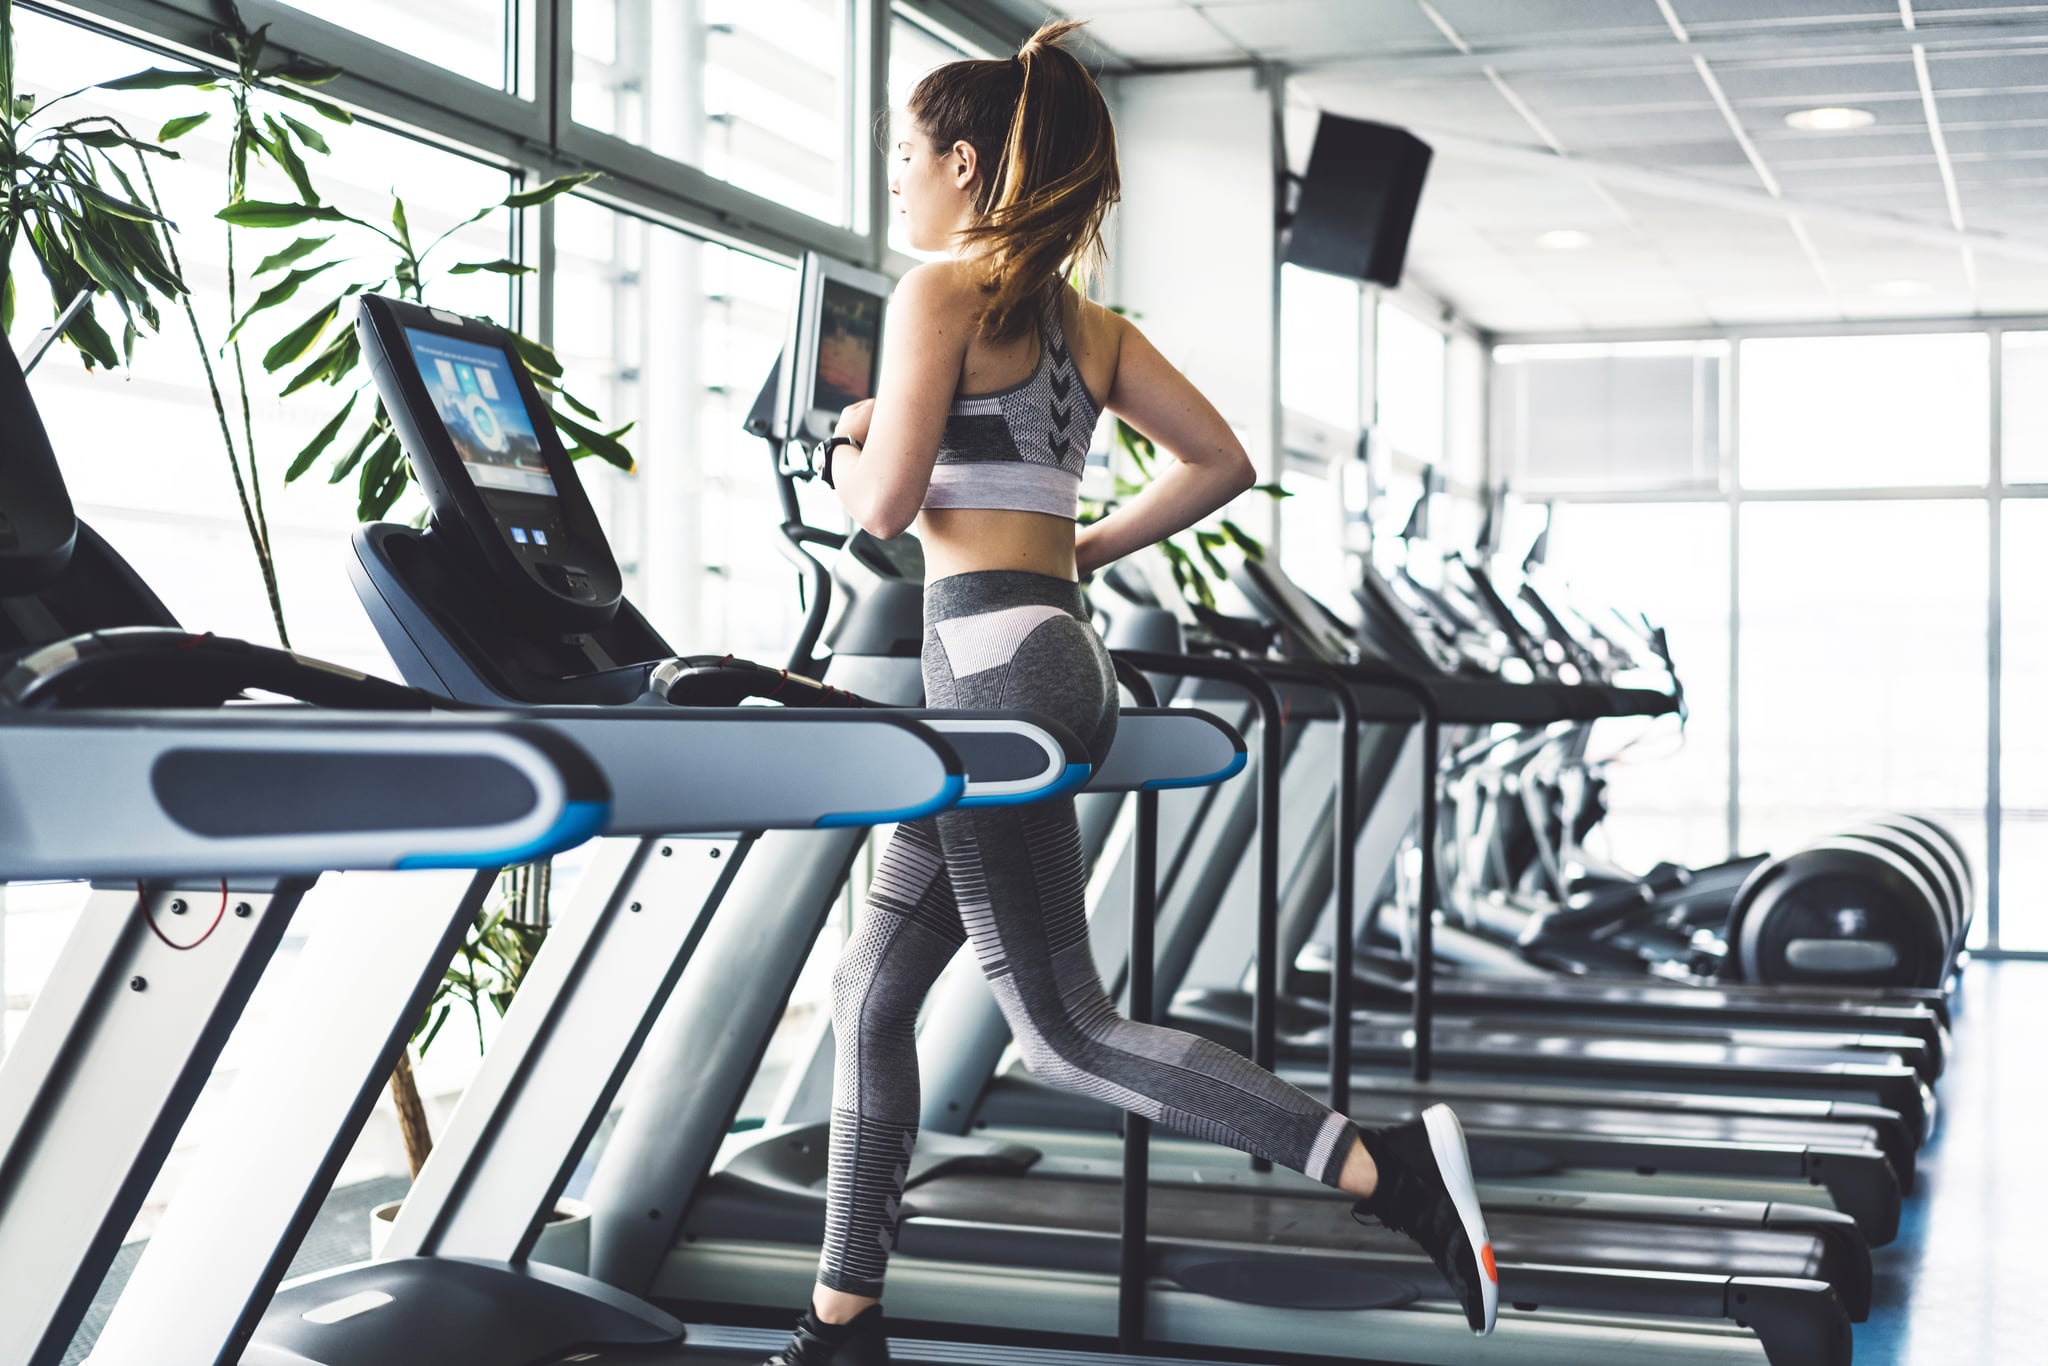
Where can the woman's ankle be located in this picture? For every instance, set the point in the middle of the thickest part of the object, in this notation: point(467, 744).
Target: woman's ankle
point(1361, 1176)
point(837, 1307)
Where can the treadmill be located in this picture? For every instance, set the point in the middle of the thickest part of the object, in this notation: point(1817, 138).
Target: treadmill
point(653, 912)
point(650, 1187)
point(1917, 1012)
point(1861, 1155)
point(749, 1234)
point(1877, 1077)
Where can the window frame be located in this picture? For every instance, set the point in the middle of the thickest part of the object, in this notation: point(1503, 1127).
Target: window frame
point(1993, 494)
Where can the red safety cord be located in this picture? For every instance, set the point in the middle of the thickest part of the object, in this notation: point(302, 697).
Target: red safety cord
point(142, 898)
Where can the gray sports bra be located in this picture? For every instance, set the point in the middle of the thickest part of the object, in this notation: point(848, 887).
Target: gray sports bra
point(1020, 449)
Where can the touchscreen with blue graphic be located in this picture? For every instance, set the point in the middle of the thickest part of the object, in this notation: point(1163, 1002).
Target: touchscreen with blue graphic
point(478, 400)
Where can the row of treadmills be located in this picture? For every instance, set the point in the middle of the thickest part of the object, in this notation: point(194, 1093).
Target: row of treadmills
point(1671, 1172)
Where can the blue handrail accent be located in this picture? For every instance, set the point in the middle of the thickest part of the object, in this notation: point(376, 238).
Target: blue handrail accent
point(948, 797)
point(1237, 763)
point(1075, 777)
point(579, 821)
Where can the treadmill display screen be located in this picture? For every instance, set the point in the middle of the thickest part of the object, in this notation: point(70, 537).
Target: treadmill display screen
point(478, 401)
point(849, 339)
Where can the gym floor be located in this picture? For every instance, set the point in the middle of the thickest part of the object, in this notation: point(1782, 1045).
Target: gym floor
point(1959, 1284)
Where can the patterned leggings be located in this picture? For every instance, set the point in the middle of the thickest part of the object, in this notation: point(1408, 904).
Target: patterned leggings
point(1012, 879)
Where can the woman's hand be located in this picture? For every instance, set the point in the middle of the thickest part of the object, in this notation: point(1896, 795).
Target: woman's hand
point(854, 420)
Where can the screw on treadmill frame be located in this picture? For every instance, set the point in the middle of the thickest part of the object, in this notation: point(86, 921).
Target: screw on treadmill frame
point(138, 984)
point(177, 905)
point(667, 850)
point(244, 910)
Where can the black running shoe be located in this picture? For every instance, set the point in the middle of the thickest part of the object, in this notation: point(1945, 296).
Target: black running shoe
point(1425, 1191)
point(859, 1343)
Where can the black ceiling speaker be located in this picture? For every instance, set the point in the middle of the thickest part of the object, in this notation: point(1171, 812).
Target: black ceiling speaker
point(1357, 200)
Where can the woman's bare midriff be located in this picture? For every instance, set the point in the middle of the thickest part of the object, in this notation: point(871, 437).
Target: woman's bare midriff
point(964, 540)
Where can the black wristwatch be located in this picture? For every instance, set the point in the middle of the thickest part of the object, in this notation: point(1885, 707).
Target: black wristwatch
point(821, 457)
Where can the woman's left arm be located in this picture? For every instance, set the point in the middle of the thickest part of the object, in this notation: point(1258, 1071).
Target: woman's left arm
point(882, 485)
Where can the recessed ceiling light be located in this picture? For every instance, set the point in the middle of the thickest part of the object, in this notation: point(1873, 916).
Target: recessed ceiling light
point(1901, 289)
point(1830, 119)
point(1564, 239)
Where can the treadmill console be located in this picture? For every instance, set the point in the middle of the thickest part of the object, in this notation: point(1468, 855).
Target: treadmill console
point(483, 446)
point(37, 525)
point(835, 336)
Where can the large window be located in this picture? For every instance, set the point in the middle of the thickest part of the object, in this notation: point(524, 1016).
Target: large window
point(1408, 357)
point(1668, 785)
point(1868, 592)
point(676, 335)
point(2023, 729)
point(755, 92)
point(1863, 678)
point(472, 38)
point(2025, 397)
point(1596, 416)
point(1859, 412)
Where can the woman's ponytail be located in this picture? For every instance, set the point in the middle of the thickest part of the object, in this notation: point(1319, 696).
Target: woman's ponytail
point(1049, 168)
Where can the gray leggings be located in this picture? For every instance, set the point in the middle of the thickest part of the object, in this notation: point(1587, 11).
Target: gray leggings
point(1012, 880)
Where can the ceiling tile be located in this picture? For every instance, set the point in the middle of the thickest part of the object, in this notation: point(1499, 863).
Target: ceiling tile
point(1163, 35)
point(1482, 22)
point(1726, 15)
point(1327, 29)
point(1817, 82)
point(1977, 70)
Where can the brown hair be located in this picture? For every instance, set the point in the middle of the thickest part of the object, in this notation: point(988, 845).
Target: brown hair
point(1048, 167)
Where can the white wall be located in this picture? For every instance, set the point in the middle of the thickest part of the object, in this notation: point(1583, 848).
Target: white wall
point(1193, 248)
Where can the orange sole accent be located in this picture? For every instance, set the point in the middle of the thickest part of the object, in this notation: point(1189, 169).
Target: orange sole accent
point(1486, 1259)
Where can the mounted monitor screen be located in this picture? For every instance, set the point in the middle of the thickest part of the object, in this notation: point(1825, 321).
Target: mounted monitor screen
point(483, 445)
point(477, 399)
point(835, 337)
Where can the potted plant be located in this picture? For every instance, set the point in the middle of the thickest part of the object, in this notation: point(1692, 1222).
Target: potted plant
point(496, 952)
point(77, 193)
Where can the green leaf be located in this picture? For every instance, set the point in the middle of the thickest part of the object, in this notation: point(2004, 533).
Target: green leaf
point(161, 78)
point(554, 389)
point(105, 273)
point(398, 222)
point(277, 294)
point(279, 145)
point(384, 476)
point(113, 204)
point(183, 124)
point(604, 445)
point(7, 302)
point(538, 358)
point(257, 213)
point(560, 185)
point(500, 267)
point(348, 462)
point(322, 439)
point(300, 339)
point(92, 340)
point(107, 139)
point(298, 250)
point(299, 74)
point(1244, 541)
point(334, 365)
point(333, 112)
point(308, 135)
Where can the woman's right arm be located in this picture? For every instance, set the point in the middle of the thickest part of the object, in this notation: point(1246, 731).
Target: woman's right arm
point(1209, 465)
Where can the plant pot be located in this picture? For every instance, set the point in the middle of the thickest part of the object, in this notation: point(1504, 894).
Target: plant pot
point(563, 1242)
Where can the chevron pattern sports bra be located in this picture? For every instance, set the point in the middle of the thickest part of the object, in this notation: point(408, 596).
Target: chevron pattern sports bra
point(1020, 449)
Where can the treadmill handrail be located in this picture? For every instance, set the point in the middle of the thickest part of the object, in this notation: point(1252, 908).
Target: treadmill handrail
point(150, 794)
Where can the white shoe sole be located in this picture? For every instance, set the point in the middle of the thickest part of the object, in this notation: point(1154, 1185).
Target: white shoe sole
point(1454, 1164)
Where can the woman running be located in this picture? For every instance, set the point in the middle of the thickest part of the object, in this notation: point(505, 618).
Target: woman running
point(996, 371)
